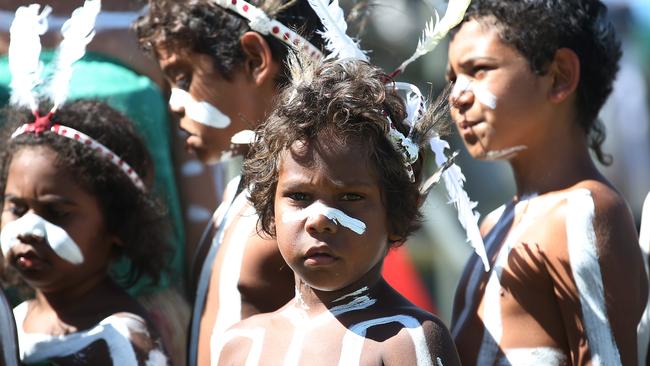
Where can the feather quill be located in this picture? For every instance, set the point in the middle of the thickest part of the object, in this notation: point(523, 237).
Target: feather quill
point(436, 29)
point(454, 181)
point(77, 32)
point(24, 52)
point(337, 42)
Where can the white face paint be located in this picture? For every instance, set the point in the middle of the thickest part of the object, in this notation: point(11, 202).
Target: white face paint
point(481, 93)
point(339, 217)
point(201, 112)
point(245, 137)
point(32, 224)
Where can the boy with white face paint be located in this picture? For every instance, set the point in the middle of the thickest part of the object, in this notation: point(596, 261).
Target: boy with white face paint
point(567, 284)
point(336, 188)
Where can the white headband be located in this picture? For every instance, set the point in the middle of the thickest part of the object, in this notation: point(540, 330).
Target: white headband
point(260, 22)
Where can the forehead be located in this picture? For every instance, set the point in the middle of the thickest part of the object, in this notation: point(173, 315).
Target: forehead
point(478, 39)
point(345, 163)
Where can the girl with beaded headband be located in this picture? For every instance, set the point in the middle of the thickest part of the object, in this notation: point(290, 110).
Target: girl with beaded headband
point(74, 201)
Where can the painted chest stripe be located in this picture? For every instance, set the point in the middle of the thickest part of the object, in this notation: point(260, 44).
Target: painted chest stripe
point(256, 335)
point(643, 331)
point(355, 337)
point(547, 356)
point(581, 239)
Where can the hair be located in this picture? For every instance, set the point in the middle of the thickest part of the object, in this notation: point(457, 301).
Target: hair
point(202, 26)
point(341, 103)
point(538, 28)
point(135, 217)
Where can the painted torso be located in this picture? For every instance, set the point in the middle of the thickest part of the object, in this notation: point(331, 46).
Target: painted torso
point(361, 330)
point(240, 284)
point(110, 342)
point(543, 302)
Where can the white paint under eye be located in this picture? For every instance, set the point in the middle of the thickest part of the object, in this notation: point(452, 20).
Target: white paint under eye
point(464, 84)
point(547, 356)
point(31, 224)
point(245, 137)
point(583, 257)
point(201, 112)
point(352, 294)
point(319, 209)
point(355, 336)
point(229, 311)
point(116, 331)
point(256, 335)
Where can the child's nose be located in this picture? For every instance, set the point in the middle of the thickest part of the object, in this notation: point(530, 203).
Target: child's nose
point(462, 100)
point(319, 224)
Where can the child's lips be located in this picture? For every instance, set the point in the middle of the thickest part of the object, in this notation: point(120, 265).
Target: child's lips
point(319, 256)
point(28, 260)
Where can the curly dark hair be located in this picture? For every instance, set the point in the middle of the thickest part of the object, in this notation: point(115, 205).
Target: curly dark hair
point(342, 103)
point(137, 218)
point(538, 28)
point(204, 27)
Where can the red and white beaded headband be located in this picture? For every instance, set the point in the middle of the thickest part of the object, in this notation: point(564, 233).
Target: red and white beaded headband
point(44, 123)
point(260, 22)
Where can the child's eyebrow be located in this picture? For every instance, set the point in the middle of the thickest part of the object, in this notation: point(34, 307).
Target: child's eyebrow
point(56, 200)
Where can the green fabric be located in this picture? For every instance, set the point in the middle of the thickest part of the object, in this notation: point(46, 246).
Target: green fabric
point(99, 77)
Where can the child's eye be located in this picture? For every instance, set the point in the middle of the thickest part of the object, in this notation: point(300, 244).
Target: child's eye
point(16, 210)
point(183, 82)
point(479, 71)
point(55, 215)
point(351, 197)
point(298, 196)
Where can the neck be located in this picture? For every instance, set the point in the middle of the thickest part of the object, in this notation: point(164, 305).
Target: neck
point(555, 164)
point(74, 300)
point(361, 293)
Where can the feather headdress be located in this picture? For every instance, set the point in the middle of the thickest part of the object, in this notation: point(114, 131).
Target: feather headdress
point(435, 30)
point(337, 42)
point(77, 32)
point(24, 52)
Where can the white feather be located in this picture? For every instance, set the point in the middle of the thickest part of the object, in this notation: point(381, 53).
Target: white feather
point(454, 181)
point(77, 32)
point(24, 52)
point(337, 42)
point(435, 31)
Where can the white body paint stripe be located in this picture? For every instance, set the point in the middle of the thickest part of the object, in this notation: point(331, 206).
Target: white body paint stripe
point(201, 112)
point(492, 320)
point(581, 239)
point(643, 330)
point(229, 296)
point(352, 294)
point(336, 215)
point(546, 356)
point(256, 335)
point(483, 95)
point(114, 330)
point(355, 337)
point(31, 224)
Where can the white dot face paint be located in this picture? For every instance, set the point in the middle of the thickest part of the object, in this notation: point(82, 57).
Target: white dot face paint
point(337, 216)
point(31, 224)
point(481, 93)
point(244, 137)
point(201, 112)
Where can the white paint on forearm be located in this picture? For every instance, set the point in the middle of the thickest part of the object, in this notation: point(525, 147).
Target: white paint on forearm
point(319, 209)
point(583, 255)
point(355, 337)
point(201, 112)
point(31, 224)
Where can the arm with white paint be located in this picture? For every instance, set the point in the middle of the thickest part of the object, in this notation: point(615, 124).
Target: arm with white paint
point(146, 344)
point(590, 252)
point(402, 349)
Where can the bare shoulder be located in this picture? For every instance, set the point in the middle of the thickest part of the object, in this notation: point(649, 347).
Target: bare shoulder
point(142, 336)
point(491, 219)
point(422, 339)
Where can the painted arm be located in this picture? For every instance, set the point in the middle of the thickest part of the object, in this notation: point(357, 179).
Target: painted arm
point(435, 348)
point(597, 272)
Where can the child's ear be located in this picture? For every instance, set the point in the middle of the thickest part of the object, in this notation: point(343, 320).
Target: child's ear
point(395, 240)
point(565, 73)
point(259, 64)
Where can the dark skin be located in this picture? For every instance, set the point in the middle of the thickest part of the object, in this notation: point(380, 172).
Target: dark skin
point(540, 304)
point(330, 261)
point(69, 298)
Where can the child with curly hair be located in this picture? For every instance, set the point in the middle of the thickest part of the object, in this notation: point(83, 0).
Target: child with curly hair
point(567, 284)
point(335, 177)
point(74, 201)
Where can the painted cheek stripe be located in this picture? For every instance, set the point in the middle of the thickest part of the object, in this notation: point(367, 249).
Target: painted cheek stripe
point(583, 256)
point(32, 224)
point(339, 217)
point(201, 112)
point(483, 95)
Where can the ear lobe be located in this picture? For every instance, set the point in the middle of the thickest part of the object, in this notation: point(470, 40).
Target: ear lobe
point(565, 72)
point(259, 64)
point(394, 240)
